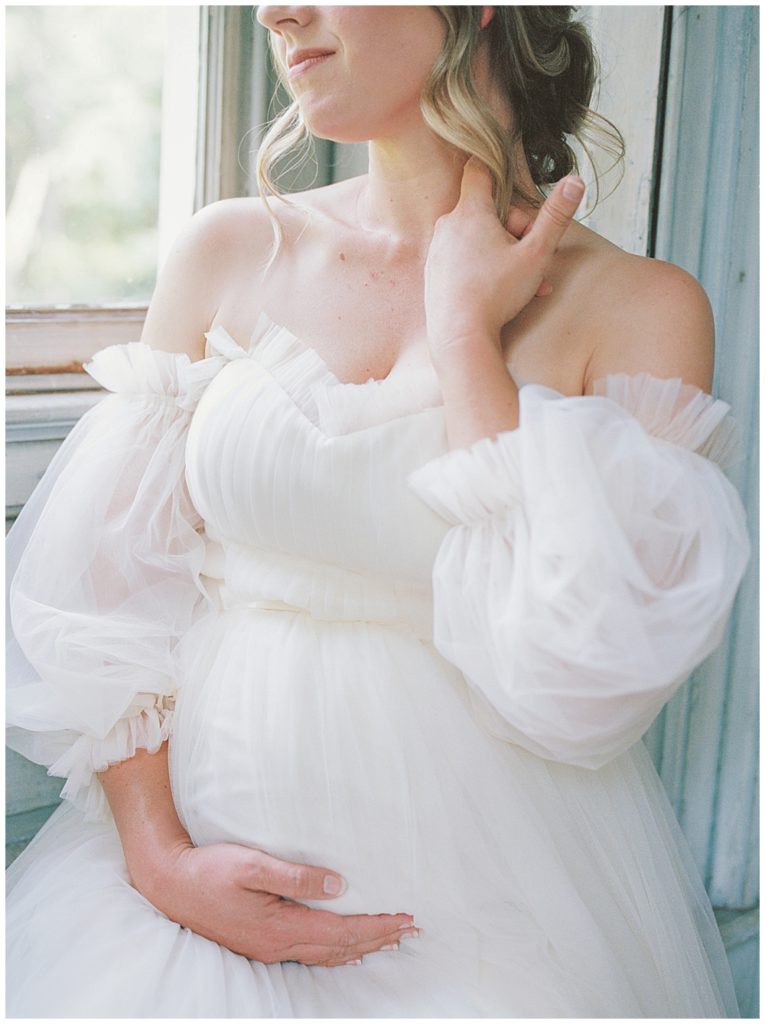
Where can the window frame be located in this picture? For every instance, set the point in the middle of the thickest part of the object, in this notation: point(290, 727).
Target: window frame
point(47, 390)
point(52, 340)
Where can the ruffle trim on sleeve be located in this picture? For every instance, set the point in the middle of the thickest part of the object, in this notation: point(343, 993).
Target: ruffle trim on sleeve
point(137, 369)
point(466, 485)
point(677, 412)
point(147, 729)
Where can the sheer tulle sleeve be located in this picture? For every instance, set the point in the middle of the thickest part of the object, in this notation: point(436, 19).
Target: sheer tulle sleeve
point(592, 562)
point(104, 564)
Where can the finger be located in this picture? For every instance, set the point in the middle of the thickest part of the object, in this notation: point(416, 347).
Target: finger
point(334, 956)
point(545, 288)
point(555, 215)
point(518, 223)
point(388, 943)
point(299, 924)
point(295, 881)
point(291, 936)
point(477, 184)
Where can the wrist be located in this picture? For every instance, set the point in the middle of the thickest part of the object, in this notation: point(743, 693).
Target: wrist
point(467, 357)
point(457, 342)
point(479, 393)
point(152, 835)
point(154, 868)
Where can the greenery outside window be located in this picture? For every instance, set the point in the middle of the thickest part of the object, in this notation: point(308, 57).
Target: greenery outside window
point(121, 122)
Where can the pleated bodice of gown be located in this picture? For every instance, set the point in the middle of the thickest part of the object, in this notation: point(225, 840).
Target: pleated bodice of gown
point(302, 482)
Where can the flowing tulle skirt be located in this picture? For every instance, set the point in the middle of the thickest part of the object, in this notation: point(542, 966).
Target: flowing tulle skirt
point(541, 890)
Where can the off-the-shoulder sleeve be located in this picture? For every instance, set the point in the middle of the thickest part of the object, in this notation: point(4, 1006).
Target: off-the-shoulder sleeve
point(103, 566)
point(593, 559)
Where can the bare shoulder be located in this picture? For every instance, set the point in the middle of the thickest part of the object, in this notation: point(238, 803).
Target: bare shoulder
point(207, 253)
point(219, 253)
point(645, 315)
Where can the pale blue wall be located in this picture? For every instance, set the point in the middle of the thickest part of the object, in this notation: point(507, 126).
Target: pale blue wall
point(705, 743)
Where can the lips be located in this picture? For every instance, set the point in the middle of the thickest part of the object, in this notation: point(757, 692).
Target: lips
point(303, 60)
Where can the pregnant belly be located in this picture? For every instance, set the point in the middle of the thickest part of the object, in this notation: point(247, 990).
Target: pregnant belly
point(346, 745)
point(354, 747)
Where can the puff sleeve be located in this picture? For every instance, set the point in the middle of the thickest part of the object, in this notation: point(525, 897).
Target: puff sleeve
point(103, 567)
point(593, 557)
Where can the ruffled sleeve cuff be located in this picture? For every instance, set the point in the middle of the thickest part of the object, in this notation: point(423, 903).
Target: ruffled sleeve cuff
point(136, 369)
point(146, 726)
point(484, 480)
point(467, 485)
point(677, 412)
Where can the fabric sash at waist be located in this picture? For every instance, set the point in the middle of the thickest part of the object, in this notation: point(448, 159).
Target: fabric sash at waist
point(247, 577)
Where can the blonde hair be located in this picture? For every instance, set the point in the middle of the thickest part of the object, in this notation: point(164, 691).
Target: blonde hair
point(544, 61)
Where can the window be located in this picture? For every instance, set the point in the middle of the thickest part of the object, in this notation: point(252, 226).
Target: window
point(85, 94)
point(102, 126)
point(121, 122)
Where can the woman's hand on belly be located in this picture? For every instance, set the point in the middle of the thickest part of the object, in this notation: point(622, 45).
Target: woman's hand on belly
point(243, 899)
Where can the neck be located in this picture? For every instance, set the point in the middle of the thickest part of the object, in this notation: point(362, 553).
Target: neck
point(410, 184)
point(413, 180)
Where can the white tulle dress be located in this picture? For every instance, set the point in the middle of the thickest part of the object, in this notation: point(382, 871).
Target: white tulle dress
point(426, 669)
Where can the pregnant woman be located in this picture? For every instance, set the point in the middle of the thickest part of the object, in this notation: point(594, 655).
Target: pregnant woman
point(344, 615)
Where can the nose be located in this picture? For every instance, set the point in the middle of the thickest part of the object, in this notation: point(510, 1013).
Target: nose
point(274, 17)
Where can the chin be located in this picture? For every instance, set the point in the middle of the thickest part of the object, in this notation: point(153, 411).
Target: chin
point(337, 129)
point(336, 125)
point(340, 136)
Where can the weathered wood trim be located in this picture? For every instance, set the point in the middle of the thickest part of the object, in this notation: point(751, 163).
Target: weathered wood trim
point(740, 931)
point(52, 340)
point(705, 743)
point(21, 828)
point(35, 425)
point(629, 42)
point(232, 102)
point(31, 797)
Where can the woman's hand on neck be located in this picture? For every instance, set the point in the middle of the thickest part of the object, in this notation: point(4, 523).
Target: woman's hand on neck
point(411, 182)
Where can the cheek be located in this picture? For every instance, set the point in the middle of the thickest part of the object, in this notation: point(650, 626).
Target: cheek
point(365, 96)
point(401, 59)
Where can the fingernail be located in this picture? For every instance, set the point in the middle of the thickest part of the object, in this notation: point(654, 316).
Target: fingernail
point(573, 188)
point(407, 924)
point(334, 886)
point(411, 934)
point(354, 962)
point(393, 945)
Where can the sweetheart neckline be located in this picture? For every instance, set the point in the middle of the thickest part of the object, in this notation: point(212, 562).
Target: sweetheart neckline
point(260, 336)
point(264, 323)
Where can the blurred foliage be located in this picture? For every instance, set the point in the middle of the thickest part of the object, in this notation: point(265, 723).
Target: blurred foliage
point(83, 119)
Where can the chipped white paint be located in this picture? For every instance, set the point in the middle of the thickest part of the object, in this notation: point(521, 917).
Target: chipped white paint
point(628, 41)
